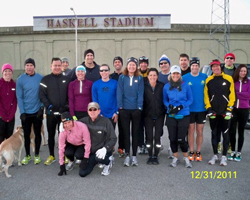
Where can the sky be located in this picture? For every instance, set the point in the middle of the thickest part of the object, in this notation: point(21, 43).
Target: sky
point(20, 13)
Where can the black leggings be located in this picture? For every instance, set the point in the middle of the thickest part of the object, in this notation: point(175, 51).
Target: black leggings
point(72, 151)
point(240, 117)
point(6, 129)
point(37, 124)
point(219, 121)
point(178, 129)
point(153, 137)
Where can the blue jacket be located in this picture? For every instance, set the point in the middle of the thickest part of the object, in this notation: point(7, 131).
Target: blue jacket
point(130, 92)
point(177, 98)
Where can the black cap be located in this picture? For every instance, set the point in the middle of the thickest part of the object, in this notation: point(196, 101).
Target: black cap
point(88, 51)
point(66, 116)
point(143, 59)
point(118, 58)
point(194, 60)
point(30, 60)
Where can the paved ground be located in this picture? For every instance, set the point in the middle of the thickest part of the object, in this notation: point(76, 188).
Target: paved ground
point(142, 182)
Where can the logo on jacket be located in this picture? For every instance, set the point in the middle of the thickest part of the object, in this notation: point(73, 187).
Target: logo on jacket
point(99, 132)
point(224, 83)
point(64, 81)
point(105, 89)
point(190, 83)
point(202, 82)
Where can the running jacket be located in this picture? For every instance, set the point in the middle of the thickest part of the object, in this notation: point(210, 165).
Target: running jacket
point(102, 133)
point(8, 100)
point(219, 93)
point(77, 136)
point(242, 89)
point(54, 91)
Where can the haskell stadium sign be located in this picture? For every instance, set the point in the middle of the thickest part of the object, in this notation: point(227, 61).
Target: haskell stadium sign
point(95, 22)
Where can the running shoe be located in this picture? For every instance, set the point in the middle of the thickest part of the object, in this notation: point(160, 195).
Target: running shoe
point(238, 157)
point(140, 150)
point(187, 162)
point(66, 160)
point(155, 160)
point(70, 165)
point(134, 161)
point(37, 159)
point(223, 161)
point(50, 160)
point(191, 156)
point(26, 160)
point(107, 168)
point(232, 156)
point(150, 160)
point(174, 162)
point(213, 160)
point(198, 157)
point(120, 153)
point(127, 161)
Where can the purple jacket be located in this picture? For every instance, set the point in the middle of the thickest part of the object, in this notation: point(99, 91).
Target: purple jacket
point(80, 95)
point(8, 101)
point(242, 91)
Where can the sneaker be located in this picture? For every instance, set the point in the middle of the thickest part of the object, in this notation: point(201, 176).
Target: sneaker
point(26, 160)
point(37, 159)
point(191, 156)
point(127, 161)
point(78, 162)
point(174, 162)
point(232, 156)
point(120, 153)
point(198, 157)
point(170, 153)
point(70, 165)
point(223, 161)
point(219, 148)
point(134, 161)
point(66, 160)
point(229, 151)
point(50, 160)
point(238, 157)
point(150, 160)
point(107, 168)
point(140, 150)
point(187, 162)
point(155, 160)
point(213, 160)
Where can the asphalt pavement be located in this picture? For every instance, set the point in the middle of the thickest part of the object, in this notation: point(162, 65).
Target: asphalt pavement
point(158, 182)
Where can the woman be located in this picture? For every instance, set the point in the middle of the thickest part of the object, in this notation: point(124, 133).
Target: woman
point(154, 114)
point(130, 101)
point(8, 102)
point(240, 110)
point(177, 97)
point(80, 94)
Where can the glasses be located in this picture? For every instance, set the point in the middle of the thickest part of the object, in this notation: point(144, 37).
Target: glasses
point(104, 70)
point(231, 58)
point(164, 63)
point(92, 109)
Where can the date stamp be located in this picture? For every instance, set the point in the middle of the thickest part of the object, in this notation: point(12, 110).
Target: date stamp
point(213, 174)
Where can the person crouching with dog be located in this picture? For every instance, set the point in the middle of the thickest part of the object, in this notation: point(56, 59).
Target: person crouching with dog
point(74, 141)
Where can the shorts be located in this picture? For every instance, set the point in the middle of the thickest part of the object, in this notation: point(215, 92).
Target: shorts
point(198, 117)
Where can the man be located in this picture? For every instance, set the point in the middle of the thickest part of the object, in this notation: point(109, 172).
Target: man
point(103, 140)
point(196, 81)
point(143, 67)
point(219, 97)
point(31, 108)
point(118, 63)
point(65, 65)
point(104, 93)
point(164, 64)
point(54, 95)
point(92, 69)
point(74, 141)
point(184, 64)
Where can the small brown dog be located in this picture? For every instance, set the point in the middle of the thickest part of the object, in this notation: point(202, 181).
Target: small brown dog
point(32, 137)
point(9, 148)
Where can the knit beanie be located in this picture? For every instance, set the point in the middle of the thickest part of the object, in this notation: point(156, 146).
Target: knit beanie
point(164, 57)
point(80, 67)
point(143, 59)
point(132, 59)
point(66, 116)
point(30, 60)
point(7, 66)
point(118, 58)
point(64, 59)
point(88, 51)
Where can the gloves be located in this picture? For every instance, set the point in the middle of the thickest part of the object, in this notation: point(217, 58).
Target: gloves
point(40, 114)
point(228, 115)
point(49, 110)
point(101, 153)
point(175, 109)
point(74, 118)
point(23, 117)
point(84, 164)
point(62, 170)
point(210, 113)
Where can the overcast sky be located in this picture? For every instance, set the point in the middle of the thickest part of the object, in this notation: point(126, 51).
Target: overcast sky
point(20, 13)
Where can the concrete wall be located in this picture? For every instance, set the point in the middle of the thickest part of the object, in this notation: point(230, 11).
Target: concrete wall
point(19, 43)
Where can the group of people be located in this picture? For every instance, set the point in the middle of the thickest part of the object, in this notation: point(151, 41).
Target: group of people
point(89, 101)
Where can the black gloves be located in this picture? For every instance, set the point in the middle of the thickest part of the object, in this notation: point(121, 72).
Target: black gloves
point(62, 170)
point(40, 114)
point(23, 117)
point(84, 164)
point(174, 109)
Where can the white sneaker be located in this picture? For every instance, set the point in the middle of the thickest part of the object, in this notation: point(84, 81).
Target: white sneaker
point(174, 162)
point(78, 162)
point(223, 161)
point(213, 160)
point(140, 150)
point(134, 161)
point(70, 166)
point(187, 162)
point(107, 168)
point(127, 161)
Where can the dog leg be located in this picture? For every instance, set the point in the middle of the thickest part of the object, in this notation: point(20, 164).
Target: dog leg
point(19, 156)
point(9, 161)
point(1, 163)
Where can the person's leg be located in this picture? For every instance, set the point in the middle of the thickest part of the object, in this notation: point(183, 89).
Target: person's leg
point(225, 134)
point(191, 131)
point(120, 135)
point(136, 117)
point(214, 132)
point(10, 128)
point(3, 126)
point(51, 127)
point(125, 122)
point(159, 123)
point(172, 131)
point(183, 125)
point(90, 167)
point(70, 150)
point(243, 117)
point(199, 138)
point(79, 153)
point(27, 130)
point(112, 121)
point(149, 133)
point(37, 123)
point(232, 130)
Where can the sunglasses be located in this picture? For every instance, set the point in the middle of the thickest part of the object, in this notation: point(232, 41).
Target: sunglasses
point(164, 63)
point(104, 70)
point(92, 109)
point(143, 58)
point(231, 58)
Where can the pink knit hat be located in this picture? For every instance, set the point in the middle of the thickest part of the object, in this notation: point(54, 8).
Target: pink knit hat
point(7, 66)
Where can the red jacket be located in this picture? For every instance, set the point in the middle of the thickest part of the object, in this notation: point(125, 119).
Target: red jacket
point(8, 101)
